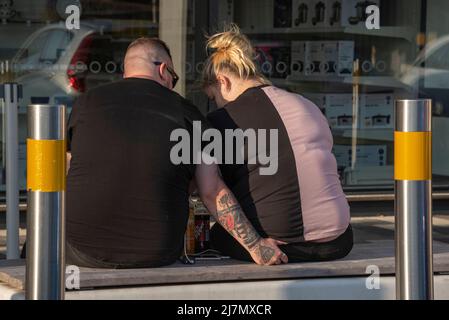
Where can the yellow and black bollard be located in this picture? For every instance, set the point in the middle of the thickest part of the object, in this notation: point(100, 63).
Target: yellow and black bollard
point(413, 199)
point(46, 181)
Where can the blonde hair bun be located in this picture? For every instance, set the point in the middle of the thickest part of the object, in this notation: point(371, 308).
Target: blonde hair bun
point(230, 51)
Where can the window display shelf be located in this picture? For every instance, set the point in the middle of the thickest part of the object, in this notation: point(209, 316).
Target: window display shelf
point(377, 81)
point(380, 134)
point(401, 32)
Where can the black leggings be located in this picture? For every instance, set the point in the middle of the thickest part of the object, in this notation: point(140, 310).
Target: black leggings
point(339, 248)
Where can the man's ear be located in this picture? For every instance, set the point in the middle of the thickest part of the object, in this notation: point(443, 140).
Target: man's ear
point(161, 71)
point(164, 75)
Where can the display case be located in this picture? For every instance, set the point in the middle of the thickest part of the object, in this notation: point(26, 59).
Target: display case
point(320, 49)
point(323, 50)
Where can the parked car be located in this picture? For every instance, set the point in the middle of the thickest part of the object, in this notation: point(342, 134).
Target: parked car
point(54, 64)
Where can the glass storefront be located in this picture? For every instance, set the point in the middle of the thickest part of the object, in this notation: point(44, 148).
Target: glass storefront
point(321, 49)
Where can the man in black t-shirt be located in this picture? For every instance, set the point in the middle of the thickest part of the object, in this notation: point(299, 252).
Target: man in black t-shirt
point(127, 203)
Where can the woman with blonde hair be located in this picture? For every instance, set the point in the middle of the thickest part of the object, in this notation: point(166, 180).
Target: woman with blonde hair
point(303, 203)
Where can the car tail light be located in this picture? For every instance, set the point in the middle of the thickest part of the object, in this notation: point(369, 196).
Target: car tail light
point(79, 64)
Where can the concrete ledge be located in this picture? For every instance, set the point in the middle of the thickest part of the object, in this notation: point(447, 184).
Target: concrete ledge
point(378, 253)
point(353, 288)
point(228, 279)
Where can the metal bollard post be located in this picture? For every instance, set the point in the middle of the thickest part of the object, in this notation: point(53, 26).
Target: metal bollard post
point(46, 163)
point(413, 199)
point(11, 92)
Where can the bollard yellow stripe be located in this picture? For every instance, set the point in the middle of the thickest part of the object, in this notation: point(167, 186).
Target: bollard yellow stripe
point(46, 163)
point(412, 155)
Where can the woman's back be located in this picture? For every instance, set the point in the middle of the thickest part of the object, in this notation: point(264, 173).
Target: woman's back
point(303, 200)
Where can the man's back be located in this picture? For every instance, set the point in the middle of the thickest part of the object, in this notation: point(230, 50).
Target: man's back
point(126, 202)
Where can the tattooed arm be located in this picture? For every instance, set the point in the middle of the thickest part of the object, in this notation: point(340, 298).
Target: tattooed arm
point(222, 204)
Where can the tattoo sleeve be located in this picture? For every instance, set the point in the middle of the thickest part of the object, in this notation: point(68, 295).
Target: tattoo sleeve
point(230, 215)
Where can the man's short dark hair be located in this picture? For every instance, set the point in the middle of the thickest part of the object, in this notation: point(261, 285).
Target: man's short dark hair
point(154, 42)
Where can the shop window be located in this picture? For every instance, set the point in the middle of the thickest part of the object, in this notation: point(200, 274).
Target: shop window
point(320, 49)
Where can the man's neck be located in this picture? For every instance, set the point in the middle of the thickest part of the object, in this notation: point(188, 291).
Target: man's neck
point(144, 76)
point(140, 76)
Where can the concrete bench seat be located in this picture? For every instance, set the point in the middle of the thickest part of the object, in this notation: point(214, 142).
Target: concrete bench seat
point(355, 264)
point(374, 245)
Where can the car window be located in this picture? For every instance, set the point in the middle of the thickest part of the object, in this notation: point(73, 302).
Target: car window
point(57, 42)
point(30, 55)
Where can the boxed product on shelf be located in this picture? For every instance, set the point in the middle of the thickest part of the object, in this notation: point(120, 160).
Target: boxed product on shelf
point(341, 154)
point(274, 58)
point(282, 13)
point(318, 13)
point(302, 13)
point(330, 58)
point(314, 58)
point(377, 111)
point(369, 176)
point(365, 155)
point(371, 156)
point(319, 99)
point(298, 58)
point(345, 58)
point(322, 58)
point(333, 13)
point(339, 111)
point(353, 12)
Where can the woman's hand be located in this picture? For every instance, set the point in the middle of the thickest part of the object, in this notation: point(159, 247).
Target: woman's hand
point(266, 252)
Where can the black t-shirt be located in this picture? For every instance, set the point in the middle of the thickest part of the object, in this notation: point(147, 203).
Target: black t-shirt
point(271, 202)
point(126, 201)
point(303, 200)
